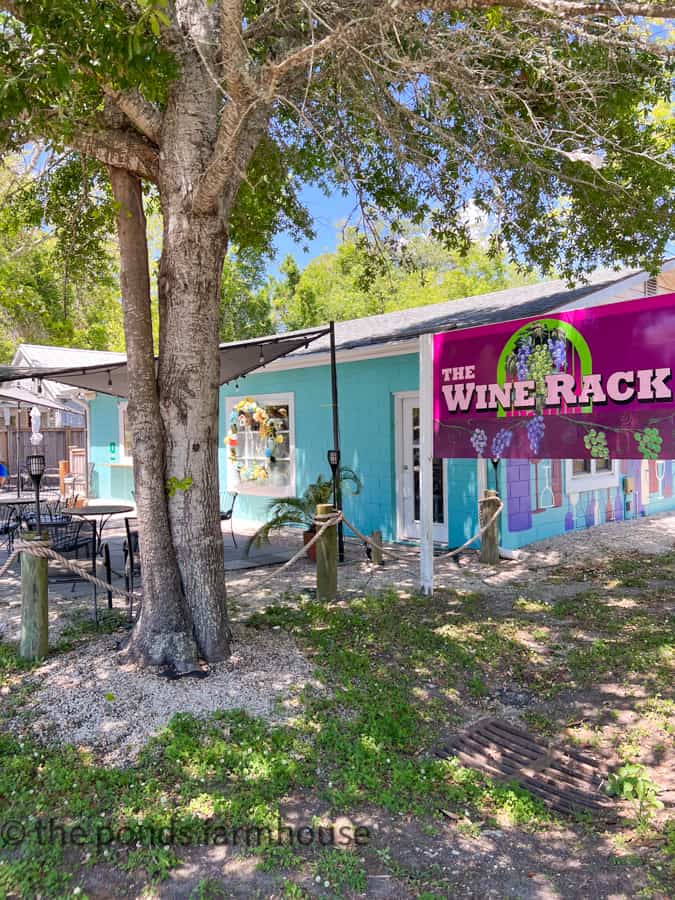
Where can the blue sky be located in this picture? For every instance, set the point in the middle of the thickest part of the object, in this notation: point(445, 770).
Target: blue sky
point(329, 214)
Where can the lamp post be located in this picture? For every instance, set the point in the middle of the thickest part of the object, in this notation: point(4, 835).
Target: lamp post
point(36, 467)
point(334, 463)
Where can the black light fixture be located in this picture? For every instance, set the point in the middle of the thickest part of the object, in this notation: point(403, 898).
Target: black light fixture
point(334, 463)
point(109, 379)
point(261, 358)
point(36, 467)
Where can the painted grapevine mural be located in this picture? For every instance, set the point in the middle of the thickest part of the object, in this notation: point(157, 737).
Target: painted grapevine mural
point(592, 383)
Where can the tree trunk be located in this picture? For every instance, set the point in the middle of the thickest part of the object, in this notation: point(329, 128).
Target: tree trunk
point(189, 368)
point(163, 634)
point(193, 250)
point(174, 423)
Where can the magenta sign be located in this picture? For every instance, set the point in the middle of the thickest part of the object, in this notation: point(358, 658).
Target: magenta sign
point(591, 383)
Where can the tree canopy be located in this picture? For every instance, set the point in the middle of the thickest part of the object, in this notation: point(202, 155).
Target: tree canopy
point(545, 114)
point(54, 288)
point(357, 280)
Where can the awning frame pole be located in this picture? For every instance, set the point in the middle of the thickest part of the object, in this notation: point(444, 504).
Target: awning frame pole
point(17, 435)
point(426, 394)
point(337, 490)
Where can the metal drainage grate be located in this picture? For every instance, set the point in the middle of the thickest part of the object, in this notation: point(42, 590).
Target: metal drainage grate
point(567, 782)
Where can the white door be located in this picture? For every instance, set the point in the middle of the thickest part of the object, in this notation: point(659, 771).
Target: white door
point(408, 466)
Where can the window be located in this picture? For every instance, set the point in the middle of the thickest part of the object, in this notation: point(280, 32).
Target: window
point(124, 435)
point(260, 445)
point(591, 474)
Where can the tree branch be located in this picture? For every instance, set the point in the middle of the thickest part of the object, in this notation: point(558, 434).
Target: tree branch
point(120, 149)
point(610, 8)
point(238, 136)
point(234, 55)
point(142, 114)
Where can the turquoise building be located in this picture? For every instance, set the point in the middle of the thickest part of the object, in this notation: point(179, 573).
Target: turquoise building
point(283, 429)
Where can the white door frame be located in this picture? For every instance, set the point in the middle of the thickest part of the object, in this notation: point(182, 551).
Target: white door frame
point(402, 532)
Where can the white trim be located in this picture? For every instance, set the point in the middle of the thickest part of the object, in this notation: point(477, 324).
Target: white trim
point(402, 532)
point(123, 452)
point(481, 483)
point(264, 489)
point(426, 342)
point(590, 481)
point(355, 354)
point(399, 397)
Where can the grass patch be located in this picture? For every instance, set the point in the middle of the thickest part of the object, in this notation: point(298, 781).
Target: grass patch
point(401, 671)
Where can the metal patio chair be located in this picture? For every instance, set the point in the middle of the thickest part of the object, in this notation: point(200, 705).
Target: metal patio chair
point(132, 559)
point(50, 511)
point(74, 538)
point(226, 516)
point(9, 525)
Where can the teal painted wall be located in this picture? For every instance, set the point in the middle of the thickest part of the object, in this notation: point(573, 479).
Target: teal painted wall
point(111, 479)
point(366, 406)
point(367, 422)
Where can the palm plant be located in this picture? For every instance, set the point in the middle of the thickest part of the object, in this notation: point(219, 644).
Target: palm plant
point(290, 511)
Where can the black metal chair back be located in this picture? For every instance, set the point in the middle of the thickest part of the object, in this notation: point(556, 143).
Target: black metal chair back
point(8, 526)
point(70, 535)
point(227, 516)
point(131, 555)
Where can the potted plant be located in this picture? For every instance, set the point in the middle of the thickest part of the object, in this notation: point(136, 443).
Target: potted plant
point(291, 511)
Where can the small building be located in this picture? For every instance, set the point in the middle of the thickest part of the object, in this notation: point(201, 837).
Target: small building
point(378, 378)
point(65, 413)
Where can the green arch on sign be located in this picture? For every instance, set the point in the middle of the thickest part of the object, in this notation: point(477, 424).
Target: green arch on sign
point(576, 339)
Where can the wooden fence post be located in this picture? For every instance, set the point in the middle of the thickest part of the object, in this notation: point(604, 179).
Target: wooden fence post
point(489, 542)
point(376, 551)
point(34, 640)
point(326, 555)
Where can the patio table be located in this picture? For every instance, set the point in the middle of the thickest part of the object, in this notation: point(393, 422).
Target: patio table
point(13, 500)
point(99, 515)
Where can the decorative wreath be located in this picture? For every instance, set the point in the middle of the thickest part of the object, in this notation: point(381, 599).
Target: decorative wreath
point(247, 414)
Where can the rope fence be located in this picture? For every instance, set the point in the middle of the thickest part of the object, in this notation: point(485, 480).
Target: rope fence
point(340, 517)
point(43, 550)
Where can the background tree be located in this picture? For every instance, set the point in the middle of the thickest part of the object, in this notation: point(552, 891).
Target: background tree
point(245, 304)
point(538, 109)
point(361, 280)
point(52, 289)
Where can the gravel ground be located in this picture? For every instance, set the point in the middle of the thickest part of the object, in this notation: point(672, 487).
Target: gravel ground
point(87, 699)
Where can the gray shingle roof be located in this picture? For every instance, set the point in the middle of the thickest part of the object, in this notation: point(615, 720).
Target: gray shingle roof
point(512, 303)
point(62, 357)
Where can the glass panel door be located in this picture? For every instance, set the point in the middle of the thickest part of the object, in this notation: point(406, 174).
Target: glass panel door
point(409, 422)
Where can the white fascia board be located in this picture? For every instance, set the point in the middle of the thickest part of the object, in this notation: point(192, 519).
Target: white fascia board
point(356, 354)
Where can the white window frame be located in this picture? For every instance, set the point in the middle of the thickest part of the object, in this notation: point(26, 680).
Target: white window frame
point(590, 481)
point(123, 452)
point(263, 488)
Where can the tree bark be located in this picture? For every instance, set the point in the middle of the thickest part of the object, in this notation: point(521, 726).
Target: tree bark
point(193, 250)
point(189, 367)
point(163, 634)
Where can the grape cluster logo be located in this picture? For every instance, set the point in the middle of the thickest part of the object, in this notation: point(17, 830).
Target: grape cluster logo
point(587, 383)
